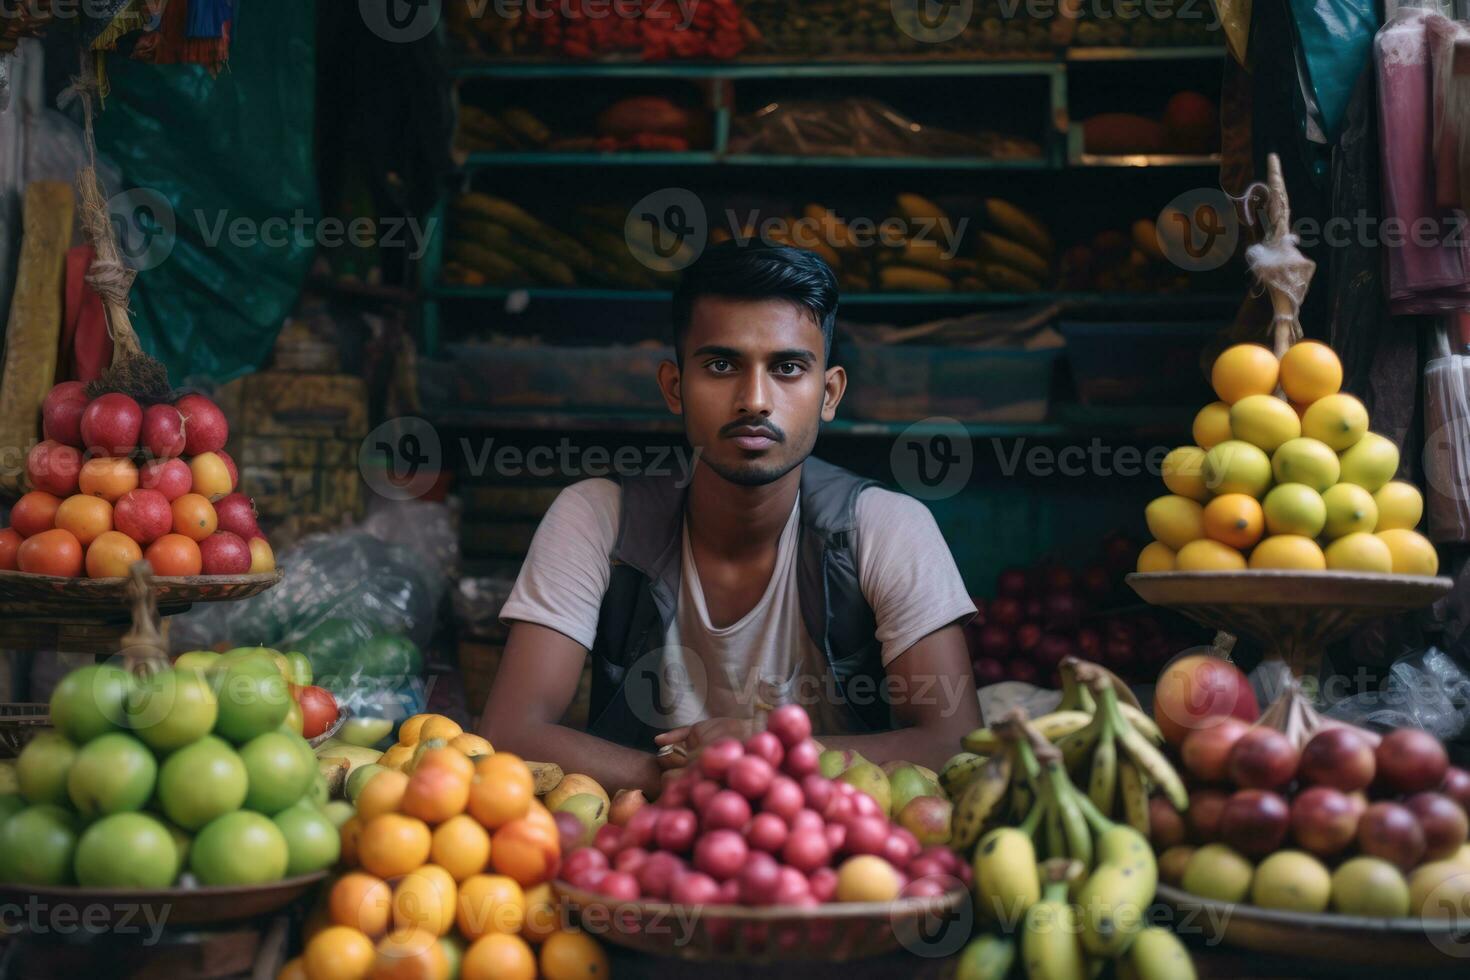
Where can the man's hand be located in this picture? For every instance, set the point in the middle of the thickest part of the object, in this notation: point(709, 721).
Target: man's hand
point(695, 737)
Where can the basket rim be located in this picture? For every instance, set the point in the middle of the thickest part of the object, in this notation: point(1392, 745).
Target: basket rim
point(771, 913)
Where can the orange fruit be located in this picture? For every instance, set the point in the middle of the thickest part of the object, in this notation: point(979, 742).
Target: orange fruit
point(111, 555)
point(447, 758)
point(538, 816)
point(339, 953)
point(502, 790)
point(496, 956)
point(84, 516)
point(174, 554)
point(524, 851)
point(34, 512)
point(382, 794)
point(437, 726)
point(490, 903)
point(1309, 371)
point(393, 845)
point(397, 756)
point(295, 969)
point(573, 956)
point(410, 954)
point(108, 477)
point(425, 898)
point(211, 475)
point(361, 901)
point(435, 793)
point(408, 732)
point(460, 846)
point(194, 516)
point(54, 552)
point(10, 540)
point(1235, 519)
point(1245, 369)
point(351, 835)
point(471, 744)
point(542, 917)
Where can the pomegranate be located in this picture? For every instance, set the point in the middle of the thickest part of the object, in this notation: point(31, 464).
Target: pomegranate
point(145, 516)
point(61, 413)
point(1411, 760)
point(111, 424)
point(223, 553)
point(205, 428)
point(236, 513)
point(170, 477)
point(54, 467)
point(162, 435)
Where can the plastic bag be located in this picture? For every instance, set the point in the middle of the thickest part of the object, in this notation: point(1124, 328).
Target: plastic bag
point(1428, 690)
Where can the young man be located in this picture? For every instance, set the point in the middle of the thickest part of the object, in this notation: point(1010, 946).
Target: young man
point(772, 577)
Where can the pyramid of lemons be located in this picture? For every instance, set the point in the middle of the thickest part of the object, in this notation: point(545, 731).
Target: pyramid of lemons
point(1293, 482)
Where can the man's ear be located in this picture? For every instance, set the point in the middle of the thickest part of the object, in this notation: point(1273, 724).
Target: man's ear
point(669, 384)
point(836, 385)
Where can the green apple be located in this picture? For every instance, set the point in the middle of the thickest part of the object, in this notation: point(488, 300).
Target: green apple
point(1370, 463)
point(300, 668)
point(112, 774)
point(42, 768)
point(201, 781)
point(280, 768)
point(364, 731)
point(200, 660)
point(1338, 420)
point(871, 780)
point(127, 850)
point(1307, 461)
point(10, 805)
point(339, 812)
point(172, 708)
point(313, 841)
point(37, 846)
point(1236, 466)
point(181, 840)
point(1293, 508)
point(91, 701)
point(1350, 509)
point(239, 848)
point(253, 699)
point(319, 792)
point(264, 654)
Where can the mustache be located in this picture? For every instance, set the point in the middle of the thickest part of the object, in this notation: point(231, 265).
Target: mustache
point(728, 430)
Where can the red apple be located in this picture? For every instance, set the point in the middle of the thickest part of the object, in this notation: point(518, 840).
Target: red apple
point(170, 477)
point(1457, 786)
point(1024, 671)
point(236, 514)
point(988, 672)
point(1262, 758)
point(1061, 611)
point(1339, 757)
point(1206, 751)
point(61, 413)
point(1254, 822)
point(111, 424)
point(205, 428)
point(1052, 650)
point(1027, 636)
point(1390, 831)
point(1012, 583)
point(1166, 825)
point(1324, 820)
point(1096, 583)
point(223, 553)
point(54, 467)
point(162, 435)
point(995, 642)
point(1443, 821)
point(1005, 612)
point(1195, 691)
point(1203, 816)
point(145, 516)
point(1089, 644)
point(1411, 760)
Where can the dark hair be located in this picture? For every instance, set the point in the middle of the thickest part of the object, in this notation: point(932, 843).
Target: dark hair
point(753, 270)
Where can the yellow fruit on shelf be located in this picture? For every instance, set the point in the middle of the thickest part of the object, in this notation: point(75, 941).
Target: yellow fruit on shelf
point(1370, 463)
point(1400, 505)
point(471, 744)
point(1350, 509)
point(1289, 551)
point(1212, 425)
point(339, 953)
point(1175, 520)
point(383, 794)
point(1307, 461)
point(1242, 370)
point(410, 954)
point(1309, 371)
point(542, 918)
point(497, 956)
point(573, 956)
point(460, 846)
point(1339, 420)
point(1293, 508)
point(425, 898)
point(392, 845)
point(1236, 466)
point(1264, 421)
point(397, 756)
point(1209, 555)
point(362, 901)
point(1183, 471)
point(572, 784)
point(1156, 557)
point(1359, 552)
point(437, 726)
point(490, 903)
point(408, 732)
point(1410, 551)
point(1234, 519)
point(1440, 890)
point(1291, 880)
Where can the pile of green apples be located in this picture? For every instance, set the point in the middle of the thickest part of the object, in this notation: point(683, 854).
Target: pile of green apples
point(189, 774)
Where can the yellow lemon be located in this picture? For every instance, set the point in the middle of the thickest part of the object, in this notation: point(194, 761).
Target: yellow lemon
point(1411, 552)
point(1245, 369)
point(1234, 519)
point(1338, 420)
point(1175, 520)
point(1291, 551)
point(1212, 425)
point(1308, 461)
point(1207, 555)
point(1235, 466)
point(1370, 462)
point(1292, 508)
point(1183, 471)
point(1359, 552)
point(1265, 421)
point(1350, 509)
point(1310, 371)
point(1156, 557)
point(1400, 505)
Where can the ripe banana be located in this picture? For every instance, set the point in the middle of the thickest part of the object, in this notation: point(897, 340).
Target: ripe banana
point(1149, 760)
point(989, 957)
point(1145, 725)
point(958, 771)
point(1157, 954)
point(1102, 785)
point(1135, 797)
point(1060, 724)
point(982, 741)
point(1049, 945)
point(1111, 909)
point(1077, 747)
point(1123, 846)
point(985, 791)
point(1006, 880)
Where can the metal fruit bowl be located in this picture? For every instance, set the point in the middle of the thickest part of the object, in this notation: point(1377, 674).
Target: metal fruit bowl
point(105, 908)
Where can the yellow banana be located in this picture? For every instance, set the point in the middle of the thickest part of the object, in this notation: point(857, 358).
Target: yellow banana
point(1060, 724)
point(1049, 944)
point(989, 957)
point(1157, 954)
point(1077, 747)
point(1102, 784)
point(1135, 797)
point(1149, 760)
point(982, 741)
point(957, 772)
point(1145, 725)
point(983, 794)
point(1125, 847)
point(1110, 909)
point(1006, 880)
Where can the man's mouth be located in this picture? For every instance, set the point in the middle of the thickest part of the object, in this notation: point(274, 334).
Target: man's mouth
point(752, 437)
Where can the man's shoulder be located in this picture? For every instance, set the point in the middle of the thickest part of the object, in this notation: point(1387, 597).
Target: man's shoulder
point(883, 509)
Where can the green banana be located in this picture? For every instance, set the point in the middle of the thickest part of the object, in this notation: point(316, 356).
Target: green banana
point(1075, 695)
point(990, 957)
point(1049, 945)
point(1023, 798)
point(1135, 797)
point(1075, 831)
point(1157, 954)
point(1006, 881)
point(958, 771)
point(1149, 760)
point(983, 794)
point(1146, 726)
point(1077, 747)
point(982, 741)
point(1102, 784)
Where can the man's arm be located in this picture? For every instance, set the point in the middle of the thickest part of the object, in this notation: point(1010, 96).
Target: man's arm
point(535, 684)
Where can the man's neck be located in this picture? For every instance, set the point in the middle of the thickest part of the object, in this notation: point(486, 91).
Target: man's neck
point(732, 520)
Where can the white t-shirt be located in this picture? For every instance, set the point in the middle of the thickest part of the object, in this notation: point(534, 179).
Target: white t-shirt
point(905, 571)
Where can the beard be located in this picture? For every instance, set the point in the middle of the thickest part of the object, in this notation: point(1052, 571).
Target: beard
point(753, 472)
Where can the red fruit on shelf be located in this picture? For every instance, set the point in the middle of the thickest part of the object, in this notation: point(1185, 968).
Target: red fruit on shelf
point(836, 834)
point(145, 516)
point(608, 839)
point(790, 724)
point(720, 854)
point(1192, 691)
point(1203, 815)
point(784, 799)
point(640, 828)
point(759, 879)
point(570, 832)
point(750, 776)
point(1051, 650)
point(318, 709)
point(767, 746)
point(802, 759)
point(1411, 760)
point(726, 810)
point(1255, 822)
point(767, 832)
point(1443, 821)
point(792, 889)
point(54, 467)
point(170, 477)
point(223, 553)
point(1005, 615)
point(716, 758)
point(620, 886)
point(818, 791)
point(162, 435)
point(1262, 758)
point(676, 830)
point(1027, 636)
point(806, 849)
point(230, 467)
point(1089, 644)
point(206, 430)
point(694, 888)
point(988, 672)
point(1391, 832)
point(1339, 757)
point(1012, 583)
point(823, 882)
point(578, 862)
point(657, 875)
point(1024, 671)
point(1166, 824)
point(1457, 786)
point(629, 859)
point(701, 794)
point(1061, 610)
point(1324, 820)
point(236, 514)
point(1205, 751)
point(111, 424)
point(61, 413)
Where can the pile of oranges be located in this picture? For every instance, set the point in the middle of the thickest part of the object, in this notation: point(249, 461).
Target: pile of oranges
point(427, 731)
point(449, 870)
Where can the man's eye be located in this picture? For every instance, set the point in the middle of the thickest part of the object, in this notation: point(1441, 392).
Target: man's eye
point(721, 366)
point(788, 368)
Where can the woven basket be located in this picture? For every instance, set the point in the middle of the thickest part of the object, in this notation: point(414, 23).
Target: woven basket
point(50, 597)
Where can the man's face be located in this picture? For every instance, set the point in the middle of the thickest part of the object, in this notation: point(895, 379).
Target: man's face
point(754, 387)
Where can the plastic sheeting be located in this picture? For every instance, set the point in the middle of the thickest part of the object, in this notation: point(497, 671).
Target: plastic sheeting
point(1334, 39)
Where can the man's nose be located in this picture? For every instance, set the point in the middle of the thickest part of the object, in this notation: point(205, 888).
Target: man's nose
point(754, 395)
